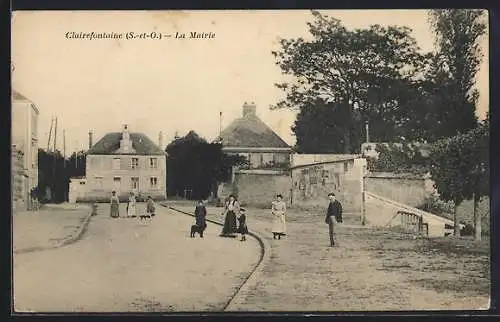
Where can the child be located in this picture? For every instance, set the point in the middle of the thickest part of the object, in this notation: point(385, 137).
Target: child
point(200, 213)
point(243, 229)
point(150, 207)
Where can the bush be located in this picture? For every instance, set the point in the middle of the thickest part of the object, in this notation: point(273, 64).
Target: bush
point(435, 205)
point(399, 158)
point(468, 230)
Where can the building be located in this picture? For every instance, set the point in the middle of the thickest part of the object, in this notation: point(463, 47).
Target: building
point(314, 176)
point(24, 149)
point(251, 137)
point(123, 162)
point(268, 156)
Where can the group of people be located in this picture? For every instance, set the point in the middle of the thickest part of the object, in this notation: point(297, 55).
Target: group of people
point(234, 213)
point(131, 210)
point(235, 221)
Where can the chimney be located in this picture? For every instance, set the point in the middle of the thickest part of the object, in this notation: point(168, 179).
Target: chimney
point(249, 109)
point(160, 140)
point(90, 139)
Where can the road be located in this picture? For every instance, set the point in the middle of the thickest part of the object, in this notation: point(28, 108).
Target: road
point(125, 265)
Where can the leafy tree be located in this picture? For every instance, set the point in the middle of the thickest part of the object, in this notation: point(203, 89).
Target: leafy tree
point(399, 158)
point(460, 169)
point(196, 165)
point(52, 174)
point(458, 33)
point(365, 69)
point(321, 128)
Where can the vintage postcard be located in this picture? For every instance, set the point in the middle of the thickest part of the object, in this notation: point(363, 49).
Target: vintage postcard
point(221, 161)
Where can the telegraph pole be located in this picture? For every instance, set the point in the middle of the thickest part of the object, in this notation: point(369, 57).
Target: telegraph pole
point(50, 134)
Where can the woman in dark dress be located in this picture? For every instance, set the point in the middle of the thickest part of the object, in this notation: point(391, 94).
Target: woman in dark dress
point(231, 210)
point(200, 214)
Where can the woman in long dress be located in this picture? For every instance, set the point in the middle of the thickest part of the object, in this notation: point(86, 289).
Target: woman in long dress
point(231, 210)
point(278, 210)
point(131, 206)
point(114, 205)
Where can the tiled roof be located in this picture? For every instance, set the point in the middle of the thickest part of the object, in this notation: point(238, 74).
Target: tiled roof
point(111, 142)
point(250, 131)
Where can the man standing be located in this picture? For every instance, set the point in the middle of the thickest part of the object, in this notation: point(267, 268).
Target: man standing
point(333, 216)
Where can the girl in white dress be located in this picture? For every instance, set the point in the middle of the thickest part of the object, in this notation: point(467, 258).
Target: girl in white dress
point(131, 206)
point(278, 210)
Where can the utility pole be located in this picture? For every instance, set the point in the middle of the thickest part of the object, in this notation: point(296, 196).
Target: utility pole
point(55, 135)
point(50, 134)
point(64, 160)
point(220, 126)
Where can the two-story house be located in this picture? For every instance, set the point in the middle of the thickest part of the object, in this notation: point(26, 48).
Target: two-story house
point(251, 137)
point(24, 149)
point(268, 156)
point(125, 162)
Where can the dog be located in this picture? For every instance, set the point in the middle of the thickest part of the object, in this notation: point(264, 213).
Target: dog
point(197, 229)
point(144, 217)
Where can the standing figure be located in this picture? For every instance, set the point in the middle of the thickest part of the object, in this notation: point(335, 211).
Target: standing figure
point(131, 206)
point(278, 210)
point(114, 205)
point(231, 209)
point(333, 216)
point(243, 229)
point(200, 214)
point(150, 207)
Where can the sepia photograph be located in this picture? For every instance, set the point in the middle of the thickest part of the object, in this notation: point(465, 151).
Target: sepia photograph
point(250, 161)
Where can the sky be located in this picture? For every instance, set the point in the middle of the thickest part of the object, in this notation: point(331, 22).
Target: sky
point(170, 85)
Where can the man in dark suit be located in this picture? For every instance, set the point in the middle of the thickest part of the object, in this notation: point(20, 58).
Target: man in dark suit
point(333, 216)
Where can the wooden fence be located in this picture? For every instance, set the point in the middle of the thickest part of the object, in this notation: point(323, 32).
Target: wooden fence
point(413, 223)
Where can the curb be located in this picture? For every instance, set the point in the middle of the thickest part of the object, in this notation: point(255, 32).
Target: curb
point(255, 272)
point(83, 227)
point(69, 240)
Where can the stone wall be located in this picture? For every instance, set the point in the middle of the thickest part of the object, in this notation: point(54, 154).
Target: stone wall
point(404, 188)
point(18, 182)
point(257, 187)
point(312, 183)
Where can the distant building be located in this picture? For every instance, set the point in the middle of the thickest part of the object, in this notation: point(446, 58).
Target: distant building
point(251, 137)
point(268, 156)
point(123, 162)
point(24, 150)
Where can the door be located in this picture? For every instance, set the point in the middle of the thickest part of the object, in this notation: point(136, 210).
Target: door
point(117, 185)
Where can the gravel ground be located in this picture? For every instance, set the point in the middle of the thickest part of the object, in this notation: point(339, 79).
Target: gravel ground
point(124, 265)
point(371, 269)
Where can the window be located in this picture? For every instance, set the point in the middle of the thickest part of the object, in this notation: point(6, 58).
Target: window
point(117, 181)
point(153, 163)
point(153, 182)
point(134, 183)
point(135, 163)
point(116, 164)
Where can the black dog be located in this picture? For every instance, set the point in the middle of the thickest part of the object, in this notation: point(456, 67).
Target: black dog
point(144, 217)
point(197, 229)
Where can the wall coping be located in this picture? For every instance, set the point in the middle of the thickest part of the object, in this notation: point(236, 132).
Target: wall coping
point(393, 175)
point(262, 172)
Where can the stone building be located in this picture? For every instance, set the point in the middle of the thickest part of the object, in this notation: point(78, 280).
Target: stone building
point(123, 162)
point(251, 137)
point(24, 149)
point(315, 176)
point(269, 157)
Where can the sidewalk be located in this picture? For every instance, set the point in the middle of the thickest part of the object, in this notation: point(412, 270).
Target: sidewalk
point(47, 227)
point(369, 270)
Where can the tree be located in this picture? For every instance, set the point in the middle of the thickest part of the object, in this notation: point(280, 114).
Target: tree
point(322, 127)
point(364, 69)
point(458, 33)
point(196, 165)
point(460, 169)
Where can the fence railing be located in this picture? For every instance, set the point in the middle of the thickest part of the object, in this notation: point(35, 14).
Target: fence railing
point(413, 223)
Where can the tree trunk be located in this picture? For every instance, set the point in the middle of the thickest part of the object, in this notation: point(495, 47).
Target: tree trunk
point(477, 220)
point(456, 224)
